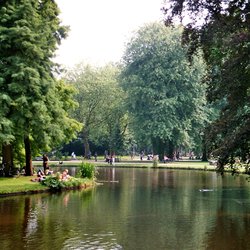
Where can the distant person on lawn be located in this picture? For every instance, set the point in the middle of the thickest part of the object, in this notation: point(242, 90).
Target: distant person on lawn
point(45, 163)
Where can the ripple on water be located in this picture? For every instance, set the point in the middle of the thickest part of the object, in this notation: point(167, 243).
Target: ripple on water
point(100, 241)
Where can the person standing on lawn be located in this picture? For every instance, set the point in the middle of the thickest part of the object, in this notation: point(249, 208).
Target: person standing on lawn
point(45, 162)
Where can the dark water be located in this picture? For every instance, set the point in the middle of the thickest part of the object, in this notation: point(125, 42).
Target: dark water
point(134, 209)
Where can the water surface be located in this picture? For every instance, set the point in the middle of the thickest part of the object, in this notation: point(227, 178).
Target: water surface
point(134, 209)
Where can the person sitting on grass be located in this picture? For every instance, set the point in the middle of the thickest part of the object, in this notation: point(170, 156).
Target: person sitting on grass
point(166, 159)
point(48, 172)
point(40, 176)
point(65, 176)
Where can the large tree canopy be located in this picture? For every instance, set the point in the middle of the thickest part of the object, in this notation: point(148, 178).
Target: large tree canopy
point(100, 103)
point(165, 93)
point(222, 30)
point(32, 108)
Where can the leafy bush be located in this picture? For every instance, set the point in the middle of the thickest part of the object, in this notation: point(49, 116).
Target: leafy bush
point(56, 184)
point(53, 183)
point(87, 170)
point(155, 163)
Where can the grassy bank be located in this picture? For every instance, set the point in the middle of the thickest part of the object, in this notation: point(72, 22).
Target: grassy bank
point(196, 165)
point(22, 184)
point(137, 163)
point(131, 163)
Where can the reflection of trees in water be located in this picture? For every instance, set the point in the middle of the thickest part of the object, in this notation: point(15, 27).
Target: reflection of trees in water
point(29, 222)
point(185, 212)
point(224, 237)
point(146, 204)
point(58, 215)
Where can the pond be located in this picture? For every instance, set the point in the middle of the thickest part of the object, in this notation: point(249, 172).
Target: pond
point(134, 209)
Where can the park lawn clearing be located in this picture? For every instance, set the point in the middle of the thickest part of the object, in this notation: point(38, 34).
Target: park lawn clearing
point(24, 185)
point(20, 184)
point(191, 165)
point(127, 162)
point(195, 165)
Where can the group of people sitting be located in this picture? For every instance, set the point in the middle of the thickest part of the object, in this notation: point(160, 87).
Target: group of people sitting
point(64, 176)
point(110, 159)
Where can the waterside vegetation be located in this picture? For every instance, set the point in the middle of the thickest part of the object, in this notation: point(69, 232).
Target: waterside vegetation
point(27, 185)
point(86, 176)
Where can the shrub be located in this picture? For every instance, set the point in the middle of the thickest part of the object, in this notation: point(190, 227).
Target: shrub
point(53, 182)
point(87, 170)
point(155, 163)
point(56, 184)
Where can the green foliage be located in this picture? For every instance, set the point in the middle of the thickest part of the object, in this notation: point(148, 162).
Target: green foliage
point(224, 38)
point(56, 184)
point(165, 94)
point(87, 170)
point(34, 105)
point(100, 102)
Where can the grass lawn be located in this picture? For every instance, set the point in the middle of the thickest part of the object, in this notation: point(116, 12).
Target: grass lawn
point(24, 185)
point(136, 162)
point(20, 184)
point(125, 161)
point(174, 165)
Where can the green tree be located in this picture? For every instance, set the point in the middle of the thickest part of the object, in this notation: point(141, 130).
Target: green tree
point(99, 97)
point(34, 113)
point(165, 93)
point(222, 30)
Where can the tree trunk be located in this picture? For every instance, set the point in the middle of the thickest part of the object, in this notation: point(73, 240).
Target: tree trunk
point(111, 144)
point(170, 151)
point(161, 149)
point(28, 157)
point(204, 149)
point(158, 147)
point(86, 144)
point(154, 145)
point(7, 159)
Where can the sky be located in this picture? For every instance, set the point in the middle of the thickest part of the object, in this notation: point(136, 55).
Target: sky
point(100, 29)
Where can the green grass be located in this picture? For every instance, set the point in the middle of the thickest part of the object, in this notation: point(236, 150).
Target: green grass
point(127, 162)
point(22, 184)
point(195, 165)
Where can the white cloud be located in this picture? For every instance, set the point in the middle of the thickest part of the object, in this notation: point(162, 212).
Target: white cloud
point(100, 28)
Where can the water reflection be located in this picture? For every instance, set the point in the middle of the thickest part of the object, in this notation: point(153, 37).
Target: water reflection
point(133, 209)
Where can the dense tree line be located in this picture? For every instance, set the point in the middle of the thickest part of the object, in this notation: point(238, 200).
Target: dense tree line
point(156, 99)
point(100, 109)
point(222, 30)
point(165, 94)
point(34, 105)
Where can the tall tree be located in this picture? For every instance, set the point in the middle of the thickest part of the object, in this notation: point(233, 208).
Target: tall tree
point(99, 97)
point(222, 30)
point(30, 31)
point(164, 91)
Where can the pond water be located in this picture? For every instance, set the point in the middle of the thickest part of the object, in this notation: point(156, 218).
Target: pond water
point(134, 209)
